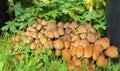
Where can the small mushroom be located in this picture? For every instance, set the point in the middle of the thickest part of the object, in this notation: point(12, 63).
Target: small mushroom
point(75, 37)
point(67, 44)
point(43, 22)
point(27, 33)
point(74, 58)
point(91, 37)
point(95, 55)
point(59, 44)
point(61, 31)
point(27, 40)
point(76, 43)
point(91, 30)
point(56, 34)
point(82, 29)
point(97, 34)
point(67, 25)
point(40, 35)
point(17, 38)
point(60, 24)
point(112, 52)
point(78, 63)
point(39, 21)
point(84, 43)
point(66, 54)
point(98, 48)
point(88, 26)
point(80, 52)
point(88, 51)
point(73, 25)
point(51, 27)
point(89, 68)
point(33, 46)
point(68, 30)
point(83, 36)
point(34, 35)
point(73, 50)
point(66, 37)
point(105, 42)
point(102, 61)
point(58, 52)
point(70, 65)
point(50, 34)
point(39, 27)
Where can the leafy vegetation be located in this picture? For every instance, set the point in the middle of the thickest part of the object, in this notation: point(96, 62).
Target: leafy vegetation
point(82, 11)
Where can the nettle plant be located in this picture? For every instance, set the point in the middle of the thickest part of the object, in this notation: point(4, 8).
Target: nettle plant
point(81, 11)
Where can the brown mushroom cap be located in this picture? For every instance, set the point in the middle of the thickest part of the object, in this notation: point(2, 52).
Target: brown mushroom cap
point(68, 30)
point(50, 44)
point(66, 37)
point(75, 37)
point(67, 44)
point(76, 43)
point(91, 37)
point(79, 52)
point(89, 68)
point(61, 31)
point(98, 48)
point(95, 55)
point(33, 45)
point(78, 63)
point(49, 34)
point(39, 21)
point(91, 30)
point(66, 54)
point(97, 34)
point(59, 44)
point(67, 25)
point(70, 65)
point(56, 34)
point(112, 52)
point(83, 36)
point(39, 27)
point(27, 33)
point(84, 43)
point(88, 26)
point(102, 61)
point(73, 50)
point(105, 42)
point(43, 22)
point(82, 29)
point(27, 40)
point(60, 24)
point(88, 51)
point(58, 52)
point(73, 25)
point(51, 27)
point(74, 58)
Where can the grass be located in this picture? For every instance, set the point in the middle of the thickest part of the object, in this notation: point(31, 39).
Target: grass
point(20, 58)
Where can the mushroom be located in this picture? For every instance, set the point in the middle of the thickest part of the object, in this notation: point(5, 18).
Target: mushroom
point(61, 31)
point(60, 24)
point(56, 34)
point(73, 25)
point(97, 34)
point(76, 43)
point(51, 27)
point(91, 30)
point(102, 61)
point(42, 30)
point(88, 51)
point(49, 34)
point(58, 52)
point(59, 44)
point(39, 21)
point(39, 27)
point(112, 52)
point(43, 22)
point(78, 63)
point(34, 25)
point(91, 37)
point(34, 35)
point(88, 26)
point(87, 61)
point(66, 37)
point(74, 38)
point(49, 44)
point(83, 36)
point(73, 50)
point(82, 29)
point(33, 45)
point(67, 44)
point(27, 33)
point(43, 40)
point(74, 58)
point(68, 30)
point(66, 54)
point(98, 48)
point(27, 40)
point(17, 38)
point(84, 43)
point(80, 52)
point(67, 25)
point(70, 65)
point(95, 55)
point(89, 68)
point(105, 42)
point(40, 35)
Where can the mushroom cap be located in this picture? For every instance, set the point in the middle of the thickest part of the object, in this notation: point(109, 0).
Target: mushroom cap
point(33, 46)
point(76, 43)
point(67, 25)
point(112, 52)
point(39, 21)
point(82, 29)
point(43, 22)
point(105, 42)
point(98, 48)
point(89, 68)
point(49, 34)
point(17, 38)
point(59, 44)
point(34, 35)
point(80, 52)
point(61, 31)
point(84, 43)
point(67, 44)
point(91, 37)
point(66, 54)
point(97, 34)
point(88, 26)
point(27, 40)
point(56, 34)
point(73, 25)
point(78, 63)
point(51, 27)
point(83, 36)
point(43, 40)
point(39, 27)
point(74, 58)
point(60, 24)
point(68, 30)
point(95, 55)
point(91, 30)
point(66, 37)
point(27, 33)
point(88, 51)
point(70, 65)
point(75, 37)
point(50, 44)
point(41, 35)
point(73, 50)
point(58, 52)
point(102, 61)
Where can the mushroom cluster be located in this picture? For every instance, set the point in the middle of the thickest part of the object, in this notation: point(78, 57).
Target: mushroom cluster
point(77, 44)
